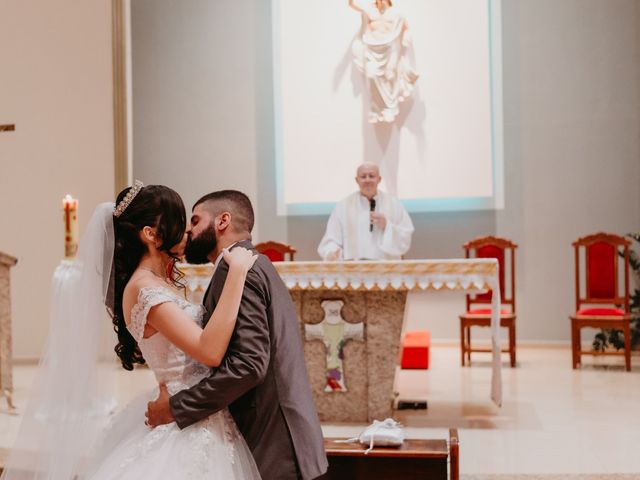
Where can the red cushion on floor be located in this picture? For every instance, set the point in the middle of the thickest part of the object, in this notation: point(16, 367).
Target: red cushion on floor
point(486, 311)
point(414, 351)
point(601, 311)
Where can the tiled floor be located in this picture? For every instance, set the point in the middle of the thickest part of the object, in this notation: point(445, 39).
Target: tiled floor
point(553, 420)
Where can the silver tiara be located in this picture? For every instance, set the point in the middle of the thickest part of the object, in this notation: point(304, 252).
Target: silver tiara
point(128, 198)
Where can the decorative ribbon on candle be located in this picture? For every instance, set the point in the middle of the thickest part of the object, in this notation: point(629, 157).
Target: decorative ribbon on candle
point(70, 207)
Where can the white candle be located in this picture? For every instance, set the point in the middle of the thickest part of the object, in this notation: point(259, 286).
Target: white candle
point(70, 207)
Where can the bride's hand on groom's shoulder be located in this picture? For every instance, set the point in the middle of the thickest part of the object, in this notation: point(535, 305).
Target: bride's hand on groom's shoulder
point(239, 257)
point(159, 411)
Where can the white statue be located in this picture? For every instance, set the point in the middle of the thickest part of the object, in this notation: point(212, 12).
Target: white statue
point(380, 53)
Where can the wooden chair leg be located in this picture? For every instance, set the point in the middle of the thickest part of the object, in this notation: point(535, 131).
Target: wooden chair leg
point(512, 344)
point(469, 344)
point(454, 454)
point(573, 346)
point(627, 346)
point(575, 341)
point(462, 343)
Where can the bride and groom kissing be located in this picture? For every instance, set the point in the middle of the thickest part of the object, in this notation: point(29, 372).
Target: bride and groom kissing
point(234, 400)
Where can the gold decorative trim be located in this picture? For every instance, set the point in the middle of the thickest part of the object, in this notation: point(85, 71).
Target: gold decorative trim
point(454, 274)
point(404, 267)
point(196, 270)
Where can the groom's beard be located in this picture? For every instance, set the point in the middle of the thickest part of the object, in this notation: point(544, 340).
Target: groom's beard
point(198, 249)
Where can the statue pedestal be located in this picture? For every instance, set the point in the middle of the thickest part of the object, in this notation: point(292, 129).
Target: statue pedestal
point(6, 359)
point(373, 295)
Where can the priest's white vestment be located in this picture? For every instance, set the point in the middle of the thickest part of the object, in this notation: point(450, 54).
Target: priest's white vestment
point(348, 229)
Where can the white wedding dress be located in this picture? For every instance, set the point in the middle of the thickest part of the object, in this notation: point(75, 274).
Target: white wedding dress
point(211, 449)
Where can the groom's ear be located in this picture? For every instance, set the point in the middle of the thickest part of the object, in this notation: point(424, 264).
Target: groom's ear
point(223, 221)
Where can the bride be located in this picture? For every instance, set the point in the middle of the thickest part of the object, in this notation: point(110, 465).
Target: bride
point(126, 261)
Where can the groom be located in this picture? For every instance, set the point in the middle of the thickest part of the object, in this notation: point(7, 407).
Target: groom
point(262, 379)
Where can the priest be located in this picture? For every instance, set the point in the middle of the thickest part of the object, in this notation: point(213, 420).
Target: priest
point(368, 224)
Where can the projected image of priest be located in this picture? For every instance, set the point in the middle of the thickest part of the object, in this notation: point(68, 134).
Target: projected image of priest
point(368, 224)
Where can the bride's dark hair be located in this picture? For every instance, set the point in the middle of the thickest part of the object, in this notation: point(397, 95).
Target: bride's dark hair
point(154, 206)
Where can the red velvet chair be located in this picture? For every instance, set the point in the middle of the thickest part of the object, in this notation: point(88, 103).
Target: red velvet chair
point(277, 252)
point(603, 304)
point(478, 312)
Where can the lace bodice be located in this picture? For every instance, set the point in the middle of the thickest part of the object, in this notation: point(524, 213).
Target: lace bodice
point(169, 364)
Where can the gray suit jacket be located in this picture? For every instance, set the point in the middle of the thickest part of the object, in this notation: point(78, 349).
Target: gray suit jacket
point(262, 379)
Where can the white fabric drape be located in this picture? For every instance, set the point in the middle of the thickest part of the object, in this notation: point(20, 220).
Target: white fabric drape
point(70, 399)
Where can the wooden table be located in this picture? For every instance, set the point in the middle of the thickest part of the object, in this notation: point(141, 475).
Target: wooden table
point(415, 459)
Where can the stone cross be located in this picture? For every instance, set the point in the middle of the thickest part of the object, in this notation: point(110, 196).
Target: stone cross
point(334, 331)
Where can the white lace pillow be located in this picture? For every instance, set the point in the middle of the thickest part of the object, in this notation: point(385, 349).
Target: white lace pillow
point(386, 433)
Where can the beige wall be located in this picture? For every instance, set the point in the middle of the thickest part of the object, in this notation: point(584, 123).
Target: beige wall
point(572, 138)
point(202, 101)
point(56, 87)
point(194, 73)
point(572, 116)
point(572, 144)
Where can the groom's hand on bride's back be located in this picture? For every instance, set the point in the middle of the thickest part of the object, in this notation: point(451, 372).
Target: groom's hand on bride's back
point(159, 412)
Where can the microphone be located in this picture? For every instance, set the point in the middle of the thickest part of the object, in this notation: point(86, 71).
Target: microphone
point(372, 207)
